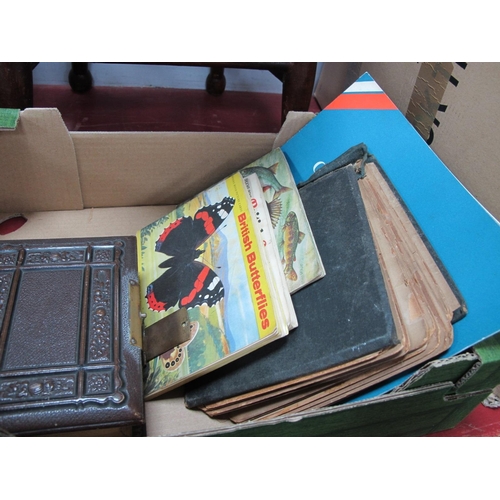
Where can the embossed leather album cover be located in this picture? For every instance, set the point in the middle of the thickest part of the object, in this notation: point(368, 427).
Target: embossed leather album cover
point(66, 357)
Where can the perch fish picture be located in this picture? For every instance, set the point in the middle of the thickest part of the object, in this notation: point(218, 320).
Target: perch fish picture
point(292, 236)
point(299, 254)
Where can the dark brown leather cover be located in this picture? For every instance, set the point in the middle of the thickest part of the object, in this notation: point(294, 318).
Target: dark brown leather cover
point(66, 360)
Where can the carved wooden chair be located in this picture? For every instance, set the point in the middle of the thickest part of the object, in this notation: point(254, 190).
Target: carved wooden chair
point(16, 81)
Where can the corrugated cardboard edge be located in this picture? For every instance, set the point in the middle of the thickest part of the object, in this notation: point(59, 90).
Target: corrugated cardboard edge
point(493, 400)
point(427, 94)
point(6, 216)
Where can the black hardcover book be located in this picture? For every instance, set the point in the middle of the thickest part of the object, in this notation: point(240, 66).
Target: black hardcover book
point(66, 357)
point(342, 317)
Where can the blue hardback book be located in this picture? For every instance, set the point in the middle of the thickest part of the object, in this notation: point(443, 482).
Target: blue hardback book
point(464, 235)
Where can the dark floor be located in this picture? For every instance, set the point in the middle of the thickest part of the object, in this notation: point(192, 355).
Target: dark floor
point(153, 109)
point(158, 109)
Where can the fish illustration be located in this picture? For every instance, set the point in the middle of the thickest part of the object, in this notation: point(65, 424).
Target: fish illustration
point(292, 236)
point(274, 208)
point(267, 178)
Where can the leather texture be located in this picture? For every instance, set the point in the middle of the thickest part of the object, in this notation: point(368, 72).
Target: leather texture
point(66, 358)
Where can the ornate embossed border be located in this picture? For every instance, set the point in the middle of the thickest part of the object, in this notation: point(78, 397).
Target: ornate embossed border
point(96, 378)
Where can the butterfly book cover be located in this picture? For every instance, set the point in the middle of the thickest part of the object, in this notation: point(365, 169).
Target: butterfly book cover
point(300, 259)
point(206, 258)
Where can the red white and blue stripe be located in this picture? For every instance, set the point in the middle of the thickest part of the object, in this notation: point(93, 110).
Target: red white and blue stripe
point(362, 94)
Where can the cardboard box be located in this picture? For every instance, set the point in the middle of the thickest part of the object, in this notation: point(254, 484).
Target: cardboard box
point(80, 184)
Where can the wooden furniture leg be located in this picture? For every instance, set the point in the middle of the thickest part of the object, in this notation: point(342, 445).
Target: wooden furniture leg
point(216, 81)
point(80, 78)
point(16, 85)
point(298, 83)
point(297, 80)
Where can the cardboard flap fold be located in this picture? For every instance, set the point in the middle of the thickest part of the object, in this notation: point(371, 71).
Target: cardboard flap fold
point(159, 168)
point(38, 165)
point(294, 121)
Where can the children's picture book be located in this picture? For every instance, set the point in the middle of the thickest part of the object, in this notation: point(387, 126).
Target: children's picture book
point(206, 260)
point(300, 259)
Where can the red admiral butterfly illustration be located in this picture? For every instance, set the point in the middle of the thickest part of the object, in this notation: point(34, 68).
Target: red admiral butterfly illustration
point(186, 281)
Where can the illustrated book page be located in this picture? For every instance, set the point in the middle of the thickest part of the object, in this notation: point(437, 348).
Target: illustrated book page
point(203, 263)
point(299, 254)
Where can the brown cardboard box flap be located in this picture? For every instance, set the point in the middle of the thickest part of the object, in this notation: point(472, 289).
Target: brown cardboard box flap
point(295, 120)
point(85, 223)
point(38, 163)
point(49, 168)
point(159, 168)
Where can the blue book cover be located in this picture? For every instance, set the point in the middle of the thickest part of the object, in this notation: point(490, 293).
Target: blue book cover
point(464, 235)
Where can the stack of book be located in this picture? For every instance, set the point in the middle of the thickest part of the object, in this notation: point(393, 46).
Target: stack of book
point(369, 298)
point(260, 297)
point(223, 264)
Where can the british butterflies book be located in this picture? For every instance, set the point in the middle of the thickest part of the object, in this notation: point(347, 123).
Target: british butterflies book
point(205, 258)
point(300, 259)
